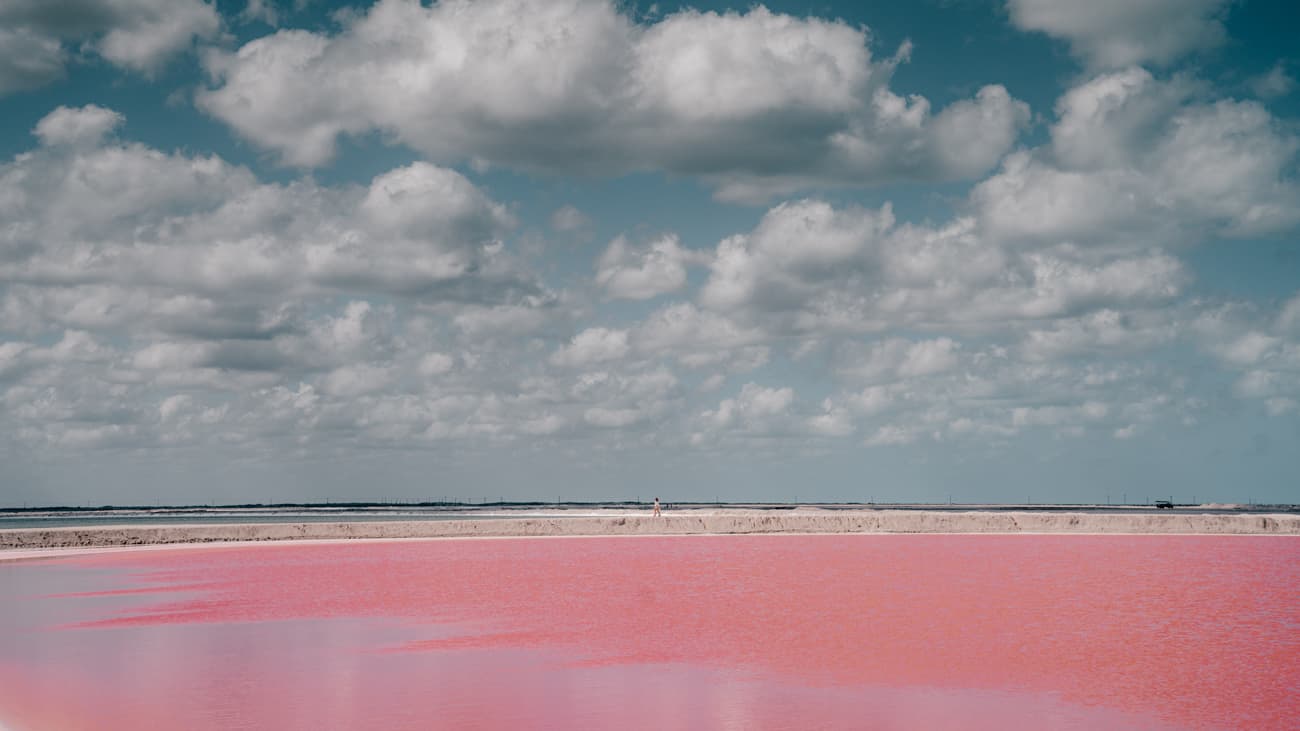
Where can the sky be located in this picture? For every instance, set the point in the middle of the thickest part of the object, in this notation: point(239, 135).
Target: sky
point(969, 250)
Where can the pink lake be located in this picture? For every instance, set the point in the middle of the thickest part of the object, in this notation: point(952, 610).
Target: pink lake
point(708, 632)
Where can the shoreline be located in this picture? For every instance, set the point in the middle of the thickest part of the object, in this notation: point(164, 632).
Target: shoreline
point(33, 554)
point(41, 541)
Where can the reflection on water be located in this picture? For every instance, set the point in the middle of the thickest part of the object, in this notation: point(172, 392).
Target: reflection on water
point(879, 632)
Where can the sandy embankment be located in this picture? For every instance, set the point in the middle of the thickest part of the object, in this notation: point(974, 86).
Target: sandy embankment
point(702, 522)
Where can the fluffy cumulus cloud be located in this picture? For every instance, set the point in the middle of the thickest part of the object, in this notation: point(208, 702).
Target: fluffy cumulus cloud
point(757, 102)
point(700, 338)
point(1260, 349)
point(895, 359)
point(990, 394)
point(593, 345)
point(755, 411)
point(1136, 161)
point(630, 272)
point(37, 37)
point(1038, 304)
point(1099, 331)
point(84, 210)
point(809, 267)
point(1116, 33)
point(83, 125)
point(186, 273)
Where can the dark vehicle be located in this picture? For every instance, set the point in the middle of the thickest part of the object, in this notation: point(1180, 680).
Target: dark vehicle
point(1164, 504)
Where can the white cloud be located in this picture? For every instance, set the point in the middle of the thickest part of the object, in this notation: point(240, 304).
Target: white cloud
point(896, 358)
point(1276, 83)
point(613, 400)
point(258, 316)
point(356, 380)
point(701, 66)
point(172, 405)
point(572, 222)
point(1260, 349)
point(543, 425)
point(699, 338)
point(755, 410)
point(891, 436)
point(146, 32)
point(637, 273)
point(1058, 415)
point(612, 418)
point(1117, 33)
point(1281, 406)
point(139, 35)
point(531, 315)
point(1108, 120)
point(755, 400)
point(81, 126)
point(992, 394)
point(1138, 162)
point(86, 211)
point(834, 421)
point(1288, 317)
point(871, 400)
point(593, 345)
point(262, 10)
point(1100, 331)
point(436, 364)
point(173, 356)
point(712, 383)
point(1249, 348)
point(150, 297)
point(971, 135)
point(793, 250)
point(28, 59)
point(811, 268)
point(758, 103)
point(360, 330)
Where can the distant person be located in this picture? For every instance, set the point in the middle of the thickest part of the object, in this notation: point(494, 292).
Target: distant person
point(656, 508)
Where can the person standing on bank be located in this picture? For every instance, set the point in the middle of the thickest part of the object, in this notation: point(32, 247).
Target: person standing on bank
point(656, 514)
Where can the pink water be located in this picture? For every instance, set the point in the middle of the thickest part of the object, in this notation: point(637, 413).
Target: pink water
point(744, 632)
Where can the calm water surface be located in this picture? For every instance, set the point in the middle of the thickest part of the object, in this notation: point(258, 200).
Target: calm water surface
point(743, 632)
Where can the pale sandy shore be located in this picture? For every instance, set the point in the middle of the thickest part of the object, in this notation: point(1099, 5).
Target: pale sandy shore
point(35, 541)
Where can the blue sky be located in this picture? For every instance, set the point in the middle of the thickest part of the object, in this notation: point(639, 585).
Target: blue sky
point(993, 251)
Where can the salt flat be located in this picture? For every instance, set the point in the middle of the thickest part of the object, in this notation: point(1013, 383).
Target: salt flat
point(634, 522)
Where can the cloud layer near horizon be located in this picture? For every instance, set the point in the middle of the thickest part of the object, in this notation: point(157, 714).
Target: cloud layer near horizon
point(172, 301)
